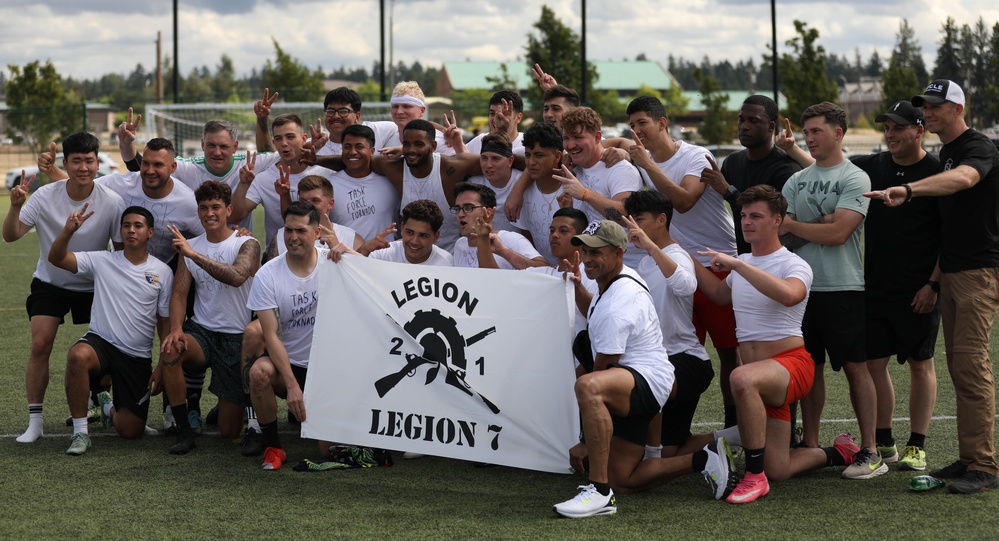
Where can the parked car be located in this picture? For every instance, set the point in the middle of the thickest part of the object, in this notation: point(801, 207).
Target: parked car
point(106, 166)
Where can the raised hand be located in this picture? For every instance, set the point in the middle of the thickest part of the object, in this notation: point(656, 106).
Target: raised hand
point(714, 178)
point(326, 234)
point(262, 108)
point(46, 161)
point(308, 156)
point(379, 241)
point(246, 173)
point(319, 138)
point(503, 117)
point(76, 219)
point(19, 193)
point(570, 184)
point(570, 269)
point(283, 183)
point(452, 133)
point(180, 243)
point(638, 154)
point(785, 138)
point(545, 81)
point(637, 236)
point(127, 129)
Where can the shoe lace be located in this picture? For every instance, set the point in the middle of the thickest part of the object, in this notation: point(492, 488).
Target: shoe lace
point(864, 455)
point(587, 491)
point(912, 452)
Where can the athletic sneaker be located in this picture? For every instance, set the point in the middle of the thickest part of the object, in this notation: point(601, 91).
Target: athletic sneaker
point(953, 471)
point(212, 418)
point(973, 481)
point(169, 423)
point(847, 447)
point(866, 464)
point(889, 453)
point(719, 471)
point(79, 444)
point(93, 413)
point(913, 458)
point(182, 446)
point(752, 487)
point(252, 445)
point(588, 503)
point(194, 420)
point(104, 398)
point(274, 457)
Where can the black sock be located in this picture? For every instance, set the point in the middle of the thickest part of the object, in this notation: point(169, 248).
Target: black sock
point(269, 434)
point(730, 416)
point(883, 437)
point(602, 488)
point(916, 440)
point(833, 458)
point(699, 460)
point(194, 400)
point(754, 460)
point(180, 415)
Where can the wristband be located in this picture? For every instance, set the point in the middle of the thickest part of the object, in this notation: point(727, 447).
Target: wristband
point(908, 193)
point(583, 197)
point(934, 285)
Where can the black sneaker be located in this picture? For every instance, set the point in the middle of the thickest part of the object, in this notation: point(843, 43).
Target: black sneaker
point(212, 419)
point(954, 471)
point(973, 481)
point(184, 445)
point(252, 444)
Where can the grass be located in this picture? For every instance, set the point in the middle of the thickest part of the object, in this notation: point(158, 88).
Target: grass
point(135, 490)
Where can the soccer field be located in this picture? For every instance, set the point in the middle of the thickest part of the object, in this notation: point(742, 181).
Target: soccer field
point(136, 490)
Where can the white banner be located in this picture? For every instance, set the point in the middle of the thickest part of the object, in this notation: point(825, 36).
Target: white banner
point(474, 364)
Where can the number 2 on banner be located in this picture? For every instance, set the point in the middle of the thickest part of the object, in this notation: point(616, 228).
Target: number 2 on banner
point(398, 344)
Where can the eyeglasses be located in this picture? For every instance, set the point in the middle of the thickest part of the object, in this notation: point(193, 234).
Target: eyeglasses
point(467, 208)
point(342, 112)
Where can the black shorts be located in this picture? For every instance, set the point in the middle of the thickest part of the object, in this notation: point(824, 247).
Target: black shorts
point(46, 299)
point(300, 373)
point(222, 354)
point(693, 377)
point(129, 375)
point(894, 329)
point(834, 323)
point(644, 406)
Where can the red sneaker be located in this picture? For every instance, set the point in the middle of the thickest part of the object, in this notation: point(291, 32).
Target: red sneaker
point(274, 457)
point(752, 487)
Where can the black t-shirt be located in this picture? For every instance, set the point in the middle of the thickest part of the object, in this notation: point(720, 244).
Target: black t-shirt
point(743, 173)
point(901, 243)
point(970, 218)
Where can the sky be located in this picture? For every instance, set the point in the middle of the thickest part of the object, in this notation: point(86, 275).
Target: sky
point(91, 38)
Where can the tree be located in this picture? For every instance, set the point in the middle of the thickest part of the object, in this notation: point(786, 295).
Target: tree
point(557, 49)
point(673, 99)
point(292, 79)
point(906, 75)
point(503, 81)
point(803, 74)
point(717, 127)
point(39, 106)
point(948, 64)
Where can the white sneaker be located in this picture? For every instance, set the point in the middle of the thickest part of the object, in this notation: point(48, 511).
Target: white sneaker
point(719, 471)
point(588, 503)
point(410, 456)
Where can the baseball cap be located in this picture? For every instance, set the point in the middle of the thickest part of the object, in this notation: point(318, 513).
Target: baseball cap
point(939, 91)
point(902, 112)
point(602, 233)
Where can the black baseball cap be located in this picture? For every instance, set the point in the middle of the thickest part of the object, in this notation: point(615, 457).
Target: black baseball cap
point(939, 91)
point(902, 112)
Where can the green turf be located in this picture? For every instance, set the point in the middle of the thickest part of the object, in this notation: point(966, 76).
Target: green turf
point(135, 490)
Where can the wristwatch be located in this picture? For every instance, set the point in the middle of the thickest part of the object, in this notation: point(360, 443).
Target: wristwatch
point(934, 285)
point(731, 192)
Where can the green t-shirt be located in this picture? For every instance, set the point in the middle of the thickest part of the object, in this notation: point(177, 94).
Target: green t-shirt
point(818, 191)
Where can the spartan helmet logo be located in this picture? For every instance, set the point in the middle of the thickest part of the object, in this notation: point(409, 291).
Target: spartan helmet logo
point(443, 346)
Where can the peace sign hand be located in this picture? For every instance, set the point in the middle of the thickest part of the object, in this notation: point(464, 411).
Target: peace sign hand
point(545, 81)
point(19, 193)
point(246, 173)
point(262, 108)
point(127, 129)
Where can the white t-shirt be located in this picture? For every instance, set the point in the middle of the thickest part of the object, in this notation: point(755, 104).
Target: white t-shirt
point(384, 130)
point(674, 300)
point(708, 224)
point(431, 187)
point(343, 233)
point(475, 145)
point(396, 253)
point(465, 256)
point(127, 299)
point(607, 181)
point(262, 192)
point(296, 299)
point(193, 172)
point(623, 321)
point(368, 204)
point(47, 211)
point(219, 307)
point(758, 317)
point(536, 217)
point(177, 208)
point(499, 219)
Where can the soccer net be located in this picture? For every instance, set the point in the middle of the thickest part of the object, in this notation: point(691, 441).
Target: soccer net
point(184, 123)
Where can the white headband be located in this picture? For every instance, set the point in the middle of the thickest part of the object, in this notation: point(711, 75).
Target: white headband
point(405, 98)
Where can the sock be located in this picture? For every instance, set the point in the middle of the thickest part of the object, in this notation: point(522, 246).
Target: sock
point(883, 437)
point(251, 419)
point(34, 430)
point(699, 461)
point(653, 451)
point(269, 434)
point(180, 416)
point(80, 426)
point(754, 460)
point(35, 415)
point(602, 488)
point(107, 410)
point(917, 440)
point(730, 415)
point(833, 458)
point(731, 434)
point(195, 384)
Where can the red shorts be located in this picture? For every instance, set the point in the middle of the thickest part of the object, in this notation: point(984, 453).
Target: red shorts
point(801, 369)
point(718, 321)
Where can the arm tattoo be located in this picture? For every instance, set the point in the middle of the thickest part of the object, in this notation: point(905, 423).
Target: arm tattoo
point(272, 250)
point(450, 171)
point(245, 265)
point(280, 328)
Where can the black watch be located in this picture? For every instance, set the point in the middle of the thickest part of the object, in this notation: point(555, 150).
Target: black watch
point(934, 285)
point(731, 192)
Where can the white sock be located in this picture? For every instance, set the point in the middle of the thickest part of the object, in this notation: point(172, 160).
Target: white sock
point(731, 434)
point(108, 410)
point(35, 422)
point(653, 451)
point(80, 425)
point(251, 419)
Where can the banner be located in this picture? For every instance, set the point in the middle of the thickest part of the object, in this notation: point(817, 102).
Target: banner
point(474, 364)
